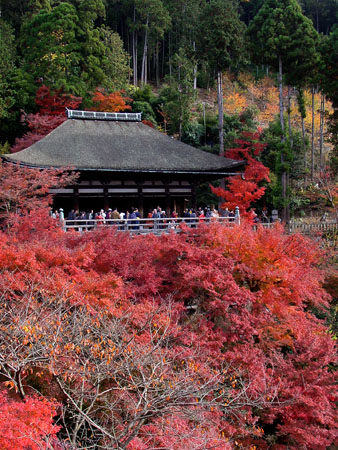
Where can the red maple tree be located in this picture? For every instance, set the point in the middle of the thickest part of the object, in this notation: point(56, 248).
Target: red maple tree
point(52, 107)
point(27, 424)
point(244, 191)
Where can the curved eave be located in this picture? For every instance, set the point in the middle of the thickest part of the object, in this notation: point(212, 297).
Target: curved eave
point(214, 172)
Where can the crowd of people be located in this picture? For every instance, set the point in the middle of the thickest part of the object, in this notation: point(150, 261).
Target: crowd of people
point(156, 218)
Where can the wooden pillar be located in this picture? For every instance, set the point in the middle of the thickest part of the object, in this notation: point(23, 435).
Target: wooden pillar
point(76, 203)
point(140, 198)
point(193, 196)
point(167, 200)
point(105, 198)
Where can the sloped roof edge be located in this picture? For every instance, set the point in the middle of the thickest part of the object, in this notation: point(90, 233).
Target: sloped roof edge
point(118, 147)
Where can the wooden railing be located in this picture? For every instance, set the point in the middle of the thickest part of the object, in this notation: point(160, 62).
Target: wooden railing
point(311, 228)
point(165, 225)
point(306, 228)
point(145, 226)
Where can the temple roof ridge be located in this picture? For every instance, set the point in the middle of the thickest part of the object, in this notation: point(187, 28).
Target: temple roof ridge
point(104, 115)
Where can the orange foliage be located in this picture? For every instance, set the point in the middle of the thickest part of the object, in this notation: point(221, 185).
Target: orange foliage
point(114, 102)
point(264, 95)
point(235, 103)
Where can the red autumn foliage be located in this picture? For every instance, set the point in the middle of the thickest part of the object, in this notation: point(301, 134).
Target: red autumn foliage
point(114, 102)
point(24, 190)
point(243, 192)
point(192, 340)
point(149, 123)
point(51, 114)
point(26, 424)
point(56, 103)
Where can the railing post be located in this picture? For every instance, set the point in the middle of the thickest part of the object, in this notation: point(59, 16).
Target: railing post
point(237, 216)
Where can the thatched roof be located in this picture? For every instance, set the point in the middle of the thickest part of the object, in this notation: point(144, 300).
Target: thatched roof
point(118, 146)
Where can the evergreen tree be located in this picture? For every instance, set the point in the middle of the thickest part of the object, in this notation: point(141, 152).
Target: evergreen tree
point(50, 48)
point(154, 20)
point(322, 13)
point(221, 44)
point(179, 94)
point(7, 66)
point(286, 40)
point(116, 61)
point(329, 82)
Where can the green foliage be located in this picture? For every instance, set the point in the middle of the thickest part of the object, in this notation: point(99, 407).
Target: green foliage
point(55, 55)
point(115, 62)
point(279, 30)
point(293, 165)
point(192, 133)
point(233, 126)
point(5, 148)
point(146, 110)
point(323, 13)
point(329, 81)
point(70, 52)
point(153, 17)
point(7, 67)
point(143, 94)
point(178, 95)
point(221, 34)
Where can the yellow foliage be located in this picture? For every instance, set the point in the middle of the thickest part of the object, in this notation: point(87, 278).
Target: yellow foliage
point(235, 103)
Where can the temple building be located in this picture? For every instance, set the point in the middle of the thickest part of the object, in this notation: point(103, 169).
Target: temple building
point(123, 163)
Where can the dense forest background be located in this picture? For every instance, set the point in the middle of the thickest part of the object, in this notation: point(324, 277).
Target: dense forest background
point(204, 71)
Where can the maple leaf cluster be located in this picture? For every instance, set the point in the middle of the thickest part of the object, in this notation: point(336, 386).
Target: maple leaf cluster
point(51, 114)
point(244, 191)
point(114, 102)
point(186, 340)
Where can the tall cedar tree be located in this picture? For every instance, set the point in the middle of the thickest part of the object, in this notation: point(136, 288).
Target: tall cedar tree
point(285, 39)
point(330, 85)
point(221, 45)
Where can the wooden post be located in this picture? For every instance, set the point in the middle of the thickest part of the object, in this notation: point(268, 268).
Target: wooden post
point(167, 200)
point(105, 198)
point(140, 198)
point(193, 196)
point(76, 203)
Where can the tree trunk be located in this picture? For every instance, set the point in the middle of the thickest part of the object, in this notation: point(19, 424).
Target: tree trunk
point(163, 56)
point(157, 64)
point(313, 133)
point(321, 139)
point(220, 127)
point(303, 141)
point(195, 67)
point(289, 118)
point(145, 57)
point(220, 112)
point(180, 103)
point(170, 64)
point(134, 44)
point(281, 118)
